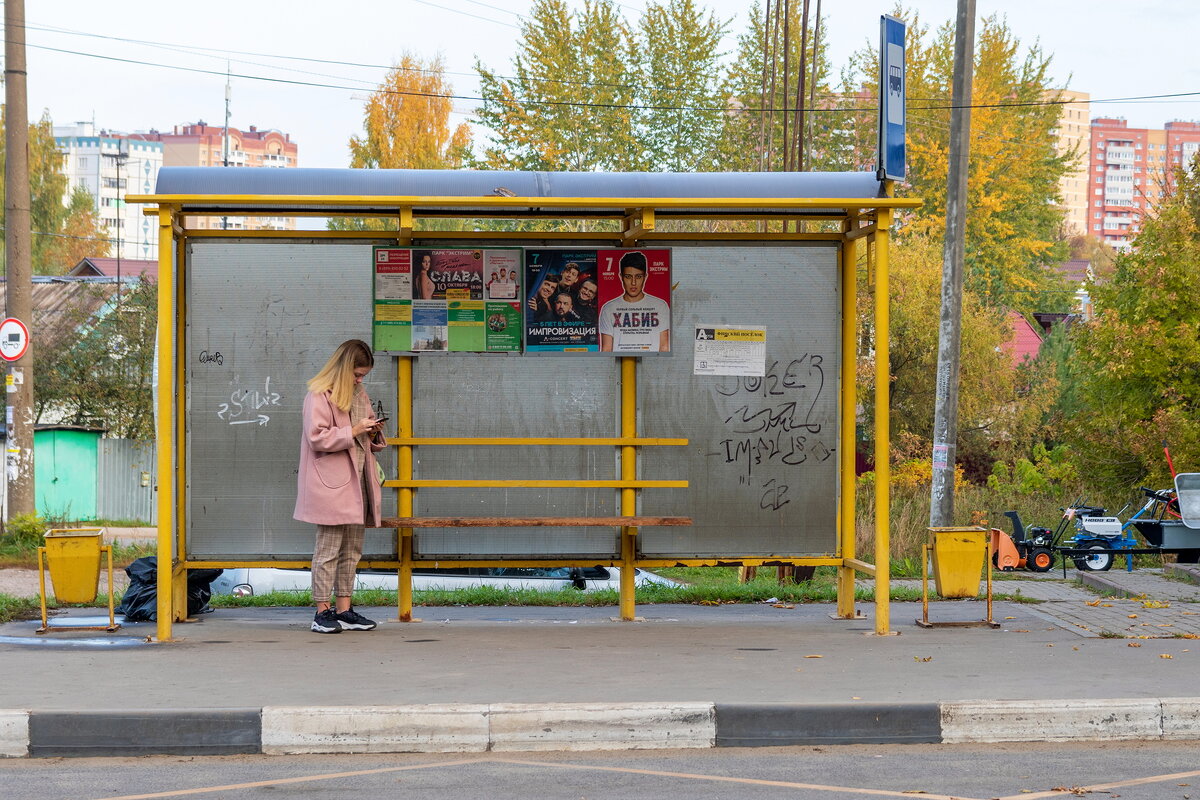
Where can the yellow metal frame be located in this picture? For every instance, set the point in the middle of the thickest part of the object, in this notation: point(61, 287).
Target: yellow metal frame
point(870, 220)
point(106, 550)
point(987, 621)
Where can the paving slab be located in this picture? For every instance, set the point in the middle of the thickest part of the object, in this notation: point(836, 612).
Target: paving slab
point(1147, 583)
point(254, 657)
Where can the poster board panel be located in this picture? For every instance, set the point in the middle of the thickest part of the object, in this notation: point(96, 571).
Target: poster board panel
point(761, 461)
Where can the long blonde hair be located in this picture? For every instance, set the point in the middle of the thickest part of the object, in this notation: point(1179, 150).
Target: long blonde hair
point(337, 376)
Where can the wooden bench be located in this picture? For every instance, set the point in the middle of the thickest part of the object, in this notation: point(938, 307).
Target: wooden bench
point(533, 522)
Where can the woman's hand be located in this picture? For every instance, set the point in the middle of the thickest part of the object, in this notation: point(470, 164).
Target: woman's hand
point(370, 426)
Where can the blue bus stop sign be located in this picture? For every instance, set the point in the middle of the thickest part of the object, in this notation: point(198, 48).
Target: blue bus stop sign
point(892, 90)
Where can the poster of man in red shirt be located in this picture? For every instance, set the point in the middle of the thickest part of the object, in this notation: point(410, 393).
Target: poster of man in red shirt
point(635, 301)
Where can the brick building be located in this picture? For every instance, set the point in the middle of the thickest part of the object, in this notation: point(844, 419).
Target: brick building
point(1130, 169)
point(203, 145)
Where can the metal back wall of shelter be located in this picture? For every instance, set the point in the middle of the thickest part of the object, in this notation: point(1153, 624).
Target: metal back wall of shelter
point(762, 479)
point(264, 316)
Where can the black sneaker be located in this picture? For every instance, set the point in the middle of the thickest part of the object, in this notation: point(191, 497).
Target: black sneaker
point(351, 620)
point(326, 622)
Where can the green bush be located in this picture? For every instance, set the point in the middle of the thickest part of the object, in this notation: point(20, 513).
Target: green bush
point(24, 533)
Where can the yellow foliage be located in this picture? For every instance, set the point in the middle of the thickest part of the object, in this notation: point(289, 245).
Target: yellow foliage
point(407, 121)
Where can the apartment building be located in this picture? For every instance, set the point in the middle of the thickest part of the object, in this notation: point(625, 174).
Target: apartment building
point(1074, 140)
point(202, 145)
point(110, 165)
point(1130, 170)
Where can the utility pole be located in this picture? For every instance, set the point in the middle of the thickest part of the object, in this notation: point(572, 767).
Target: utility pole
point(18, 460)
point(120, 158)
point(945, 415)
point(225, 136)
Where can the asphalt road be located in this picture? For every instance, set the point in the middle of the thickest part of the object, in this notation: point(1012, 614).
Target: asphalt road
point(1129, 770)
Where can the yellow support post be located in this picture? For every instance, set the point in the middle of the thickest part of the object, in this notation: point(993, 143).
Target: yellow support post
point(179, 595)
point(883, 471)
point(165, 422)
point(847, 438)
point(628, 495)
point(404, 427)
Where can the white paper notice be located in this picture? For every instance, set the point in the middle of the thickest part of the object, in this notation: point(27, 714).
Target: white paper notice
point(730, 350)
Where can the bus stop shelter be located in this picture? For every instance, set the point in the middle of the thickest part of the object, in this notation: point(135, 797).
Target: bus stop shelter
point(536, 455)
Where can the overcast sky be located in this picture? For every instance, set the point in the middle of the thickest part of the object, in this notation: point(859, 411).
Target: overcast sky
point(1110, 48)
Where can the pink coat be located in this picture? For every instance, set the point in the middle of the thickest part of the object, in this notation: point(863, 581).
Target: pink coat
point(327, 490)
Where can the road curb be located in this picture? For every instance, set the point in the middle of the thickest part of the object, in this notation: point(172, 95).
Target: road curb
point(774, 724)
point(1097, 580)
point(584, 726)
point(188, 731)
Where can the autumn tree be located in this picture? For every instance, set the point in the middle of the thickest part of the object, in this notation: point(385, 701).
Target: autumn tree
point(65, 227)
point(406, 125)
point(568, 104)
point(1139, 357)
point(406, 121)
point(1013, 217)
point(591, 91)
point(679, 87)
point(996, 411)
point(96, 359)
point(763, 105)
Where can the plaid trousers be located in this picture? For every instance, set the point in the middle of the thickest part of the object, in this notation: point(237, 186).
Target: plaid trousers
point(336, 556)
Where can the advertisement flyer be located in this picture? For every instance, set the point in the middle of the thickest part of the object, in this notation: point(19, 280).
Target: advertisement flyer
point(635, 301)
point(724, 349)
point(458, 301)
point(430, 326)
point(561, 301)
point(447, 274)
point(392, 324)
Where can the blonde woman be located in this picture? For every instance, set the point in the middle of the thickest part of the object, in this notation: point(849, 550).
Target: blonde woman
point(337, 489)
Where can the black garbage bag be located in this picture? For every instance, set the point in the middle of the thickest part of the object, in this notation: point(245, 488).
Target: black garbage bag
point(140, 603)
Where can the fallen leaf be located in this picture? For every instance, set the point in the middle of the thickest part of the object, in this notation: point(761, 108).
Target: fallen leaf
point(1134, 644)
point(1106, 605)
point(1155, 604)
point(1165, 655)
point(1021, 630)
point(710, 602)
point(1074, 648)
point(1010, 617)
point(781, 605)
point(1093, 603)
point(1133, 616)
point(856, 697)
point(1189, 636)
point(814, 656)
point(919, 658)
point(1049, 645)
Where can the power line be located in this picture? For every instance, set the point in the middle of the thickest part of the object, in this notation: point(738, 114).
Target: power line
point(467, 13)
point(198, 50)
point(576, 104)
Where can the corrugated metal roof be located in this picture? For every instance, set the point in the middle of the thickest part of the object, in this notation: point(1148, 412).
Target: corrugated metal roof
point(127, 267)
point(54, 302)
point(367, 183)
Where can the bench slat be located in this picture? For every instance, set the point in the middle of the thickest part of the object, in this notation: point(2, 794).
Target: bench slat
point(532, 522)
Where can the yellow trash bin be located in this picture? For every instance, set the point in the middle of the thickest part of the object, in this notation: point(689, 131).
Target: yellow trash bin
point(74, 561)
point(958, 556)
point(73, 556)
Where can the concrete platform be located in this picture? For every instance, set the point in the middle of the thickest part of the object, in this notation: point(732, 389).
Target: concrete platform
point(464, 679)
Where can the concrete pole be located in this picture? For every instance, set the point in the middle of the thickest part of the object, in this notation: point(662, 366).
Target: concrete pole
point(945, 415)
point(18, 262)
